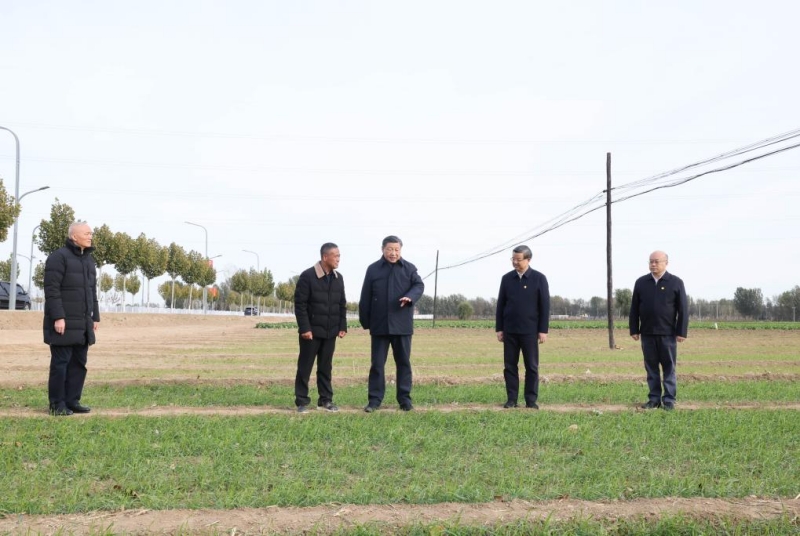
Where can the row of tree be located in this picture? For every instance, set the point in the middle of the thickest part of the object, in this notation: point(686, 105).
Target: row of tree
point(142, 255)
point(145, 256)
point(126, 254)
point(244, 286)
point(746, 304)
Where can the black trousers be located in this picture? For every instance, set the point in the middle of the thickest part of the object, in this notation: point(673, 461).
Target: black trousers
point(661, 351)
point(401, 349)
point(320, 350)
point(67, 374)
point(513, 343)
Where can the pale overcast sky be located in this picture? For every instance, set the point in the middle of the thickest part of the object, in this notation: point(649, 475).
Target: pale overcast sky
point(455, 125)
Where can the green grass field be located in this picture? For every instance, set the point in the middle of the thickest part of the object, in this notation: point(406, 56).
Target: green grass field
point(458, 446)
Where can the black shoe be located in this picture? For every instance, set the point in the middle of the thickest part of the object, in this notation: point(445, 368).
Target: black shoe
point(78, 408)
point(532, 405)
point(370, 408)
point(668, 407)
point(302, 409)
point(328, 406)
point(510, 404)
point(61, 411)
point(651, 405)
point(406, 407)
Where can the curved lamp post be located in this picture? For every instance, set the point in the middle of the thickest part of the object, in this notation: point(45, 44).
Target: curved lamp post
point(258, 260)
point(12, 300)
point(30, 260)
point(30, 273)
point(12, 297)
point(205, 290)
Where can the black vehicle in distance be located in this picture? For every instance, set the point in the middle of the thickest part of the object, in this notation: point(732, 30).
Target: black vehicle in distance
point(23, 300)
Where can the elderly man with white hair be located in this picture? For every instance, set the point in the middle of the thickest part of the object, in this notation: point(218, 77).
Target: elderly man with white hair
point(71, 317)
point(660, 319)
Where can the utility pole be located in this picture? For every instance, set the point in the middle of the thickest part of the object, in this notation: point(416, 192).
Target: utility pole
point(205, 289)
point(435, 287)
point(610, 306)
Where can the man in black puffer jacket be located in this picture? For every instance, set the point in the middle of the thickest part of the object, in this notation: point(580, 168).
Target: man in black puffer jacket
point(321, 308)
point(71, 317)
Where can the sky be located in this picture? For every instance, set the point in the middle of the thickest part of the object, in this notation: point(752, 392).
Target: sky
point(459, 126)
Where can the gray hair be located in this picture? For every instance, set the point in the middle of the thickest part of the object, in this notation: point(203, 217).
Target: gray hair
point(74, 225)
point(525, 250)
point(391, 239)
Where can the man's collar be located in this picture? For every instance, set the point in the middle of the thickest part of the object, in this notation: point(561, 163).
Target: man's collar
point(320, 271)
point(665, 275)
point(70, 243)
point(399, 261)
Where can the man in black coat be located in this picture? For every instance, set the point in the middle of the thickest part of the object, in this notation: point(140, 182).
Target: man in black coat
point(71, 317)
point(660, 318)
point(391, 288)
point(321, 310)
point(522, 323)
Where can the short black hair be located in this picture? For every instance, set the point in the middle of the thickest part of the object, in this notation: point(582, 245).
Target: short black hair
point(391, 239)
point(525, 250)
point(326, 247)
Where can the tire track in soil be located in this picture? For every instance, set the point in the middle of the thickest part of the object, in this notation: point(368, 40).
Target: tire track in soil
point(328, 518)
point(240, 411)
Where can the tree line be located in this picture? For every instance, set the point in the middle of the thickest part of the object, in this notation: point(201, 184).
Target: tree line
point(132, 257)
point(746, 304)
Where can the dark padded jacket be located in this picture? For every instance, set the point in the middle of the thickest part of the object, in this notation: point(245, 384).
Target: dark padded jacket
point(319, 303)
point(70, 292)
point(659, 309)
point(385, 283)
point(523, 303)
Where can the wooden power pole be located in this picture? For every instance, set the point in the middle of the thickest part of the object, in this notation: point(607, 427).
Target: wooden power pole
point(610, 283)
point(435, 288)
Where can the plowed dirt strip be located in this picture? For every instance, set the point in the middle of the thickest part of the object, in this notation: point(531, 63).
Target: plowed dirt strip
point(238, 411)
point(329, 518)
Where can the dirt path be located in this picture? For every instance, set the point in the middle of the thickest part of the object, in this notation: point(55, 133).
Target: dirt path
point(328, 518)
point(237, 411)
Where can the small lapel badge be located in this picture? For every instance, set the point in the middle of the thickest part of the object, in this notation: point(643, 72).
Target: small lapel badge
point(524, 286)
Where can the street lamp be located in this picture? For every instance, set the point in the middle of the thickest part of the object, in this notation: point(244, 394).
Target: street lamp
point(30, 260)
point(205, 290)
point(12, 299)
point(215, 279)
point(258, 260)
point(30, 274)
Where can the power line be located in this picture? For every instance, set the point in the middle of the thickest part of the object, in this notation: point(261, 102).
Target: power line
point(575, 212)
point(717, 170)
point(736, 152)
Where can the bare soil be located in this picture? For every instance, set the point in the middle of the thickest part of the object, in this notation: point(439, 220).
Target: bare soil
point(329, 518)
point(129, 341)
point(153, 348)
point(237, 411)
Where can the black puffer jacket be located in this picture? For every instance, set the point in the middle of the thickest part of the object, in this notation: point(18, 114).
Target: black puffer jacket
point(319, 303)
point(70, 292)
